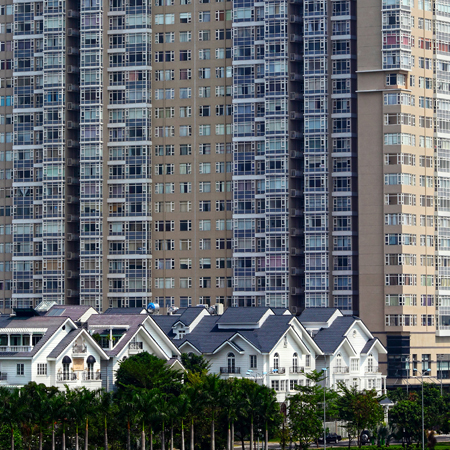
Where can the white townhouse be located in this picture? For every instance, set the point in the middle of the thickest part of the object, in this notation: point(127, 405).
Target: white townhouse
point(75, 346)
point(267, 345)
point(350, 353)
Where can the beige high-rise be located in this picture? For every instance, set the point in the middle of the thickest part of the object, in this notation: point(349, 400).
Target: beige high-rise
point(403, 172)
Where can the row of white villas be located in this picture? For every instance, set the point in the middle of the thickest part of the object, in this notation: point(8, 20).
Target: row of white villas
point(75, 345)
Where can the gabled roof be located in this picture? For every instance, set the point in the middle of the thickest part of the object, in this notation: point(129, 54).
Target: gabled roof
point(41, 324)
point(125, 311)
point(317, 314)
point(189, 315)
point(329, 339)
point(237, 316)
point(75, 312)
point(370, 344)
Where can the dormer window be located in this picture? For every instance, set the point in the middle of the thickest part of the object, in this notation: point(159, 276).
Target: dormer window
point(276, 361)
point(181, 334)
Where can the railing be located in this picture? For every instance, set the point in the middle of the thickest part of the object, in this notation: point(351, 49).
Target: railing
point(230, 370)
point(341, 370)
point(136, 346)
point(373, 369)
point(92, 376)
point(296, 369)
point(66, 377)
point(3, 376)
point(279, 370)
point(79, 348)
point(16, 348)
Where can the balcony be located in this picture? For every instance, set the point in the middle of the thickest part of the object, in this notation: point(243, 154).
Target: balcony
point(90, 376)
point(373, 369)
point(296, 369)
point(135, 347)
point(65, 377)
point(3, 376)
point(79, 349)
point(230, 370)
point(16, 348)
point(277, 370)
point(340, 370)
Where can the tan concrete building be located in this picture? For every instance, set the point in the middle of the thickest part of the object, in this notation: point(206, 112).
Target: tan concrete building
point(403, 135)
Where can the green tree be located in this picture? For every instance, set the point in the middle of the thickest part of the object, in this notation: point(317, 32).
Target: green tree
point(360, 409)
point(211, 389)
point(269, 411)
point(55, 404)
point(106, 407)
point(406, 416)
point(230, 406)
point(11, 410)
point(195, 363)
point(147, 371)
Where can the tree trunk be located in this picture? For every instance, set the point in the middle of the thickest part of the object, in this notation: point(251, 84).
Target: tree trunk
point(182, 435)
point(76, 439)
point(143, 436)
point(86, 435)
point(266, 438)
point(151, 438)
point(192, 435)
point(229, 437)
point(64, 437)
point(171, 437)
point(163, 438)
point(213, 444)
point(53, 435)
point(232, 436)
point(128, 436)
point(40, 438)
point(12, 438)
point(106, 434)
point(251, 434)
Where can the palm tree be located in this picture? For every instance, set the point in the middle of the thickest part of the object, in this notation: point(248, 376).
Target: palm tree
point(172, 414)
point(129, 405)
point(89, 406)
point(55, 405)
point(195, 406)
point(212, 385)
point(230, 404)
point(182, 410)
point(11, 409)
point(105, 406)
point(161, 404)
point(251, 398)
point(269, 410)
point(145, 399)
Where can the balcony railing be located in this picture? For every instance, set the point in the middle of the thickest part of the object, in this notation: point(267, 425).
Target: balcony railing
point(62, 377)
point(79, 348)
point(230, 370)
point(278, 370)
point(92, 376)
point(3, 376)
point(135, 347)
point(16, 348)
point(296, 369)
point(373, 369)
point(341, 370)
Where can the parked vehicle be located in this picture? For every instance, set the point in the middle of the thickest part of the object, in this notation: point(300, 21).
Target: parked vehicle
point(331, 438)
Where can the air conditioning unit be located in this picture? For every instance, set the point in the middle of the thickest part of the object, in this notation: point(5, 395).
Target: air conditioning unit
point(296, 135)
point(295, 37)
point(73, 69)
point(295, 57)
point(71, 143)
point(295, 291)
point(296, 231)
point(72, 106)
point(295, 251)
point(71, 180)
point(72, 32)
point(296, 193)
point(296, 96)
point(72, 237)
point(72, 274)
point(71, 255)
point(73, 51)
point(295, 115)
point(72, 218)
point(71, 124)
point(72, 13)
point(72, 199)
point(295, 77)
point(296, 173)
point(73, 88)
point(71, 293)
point(296, 154)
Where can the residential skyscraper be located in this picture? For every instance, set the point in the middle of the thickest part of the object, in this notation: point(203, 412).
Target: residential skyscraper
point(270, 153)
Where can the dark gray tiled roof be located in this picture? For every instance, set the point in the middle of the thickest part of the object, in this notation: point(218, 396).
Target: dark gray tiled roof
point(329, 339)
point(73, 311)
point(281, 311)
point(207, 336)
point(71, 335)
point(241, 315)
point(166, 323)
point(124, 311)
point(316, 314)
point(368, 345)
point(189, 315)
point(51, 323)
point(132, 321)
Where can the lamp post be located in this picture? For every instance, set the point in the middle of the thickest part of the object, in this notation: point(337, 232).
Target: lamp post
point(324, 370)
point(423, 418)
point(407, 377)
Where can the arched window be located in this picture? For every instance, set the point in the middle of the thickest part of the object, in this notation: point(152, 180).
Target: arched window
point(370, 363)
point(66, 367)
point(276, 361)
point(90, 367)
point(231, 363)
point(338, 361)
point(294, 363)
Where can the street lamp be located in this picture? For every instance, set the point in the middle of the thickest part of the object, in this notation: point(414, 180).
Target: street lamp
point(423, 419)
point(324, 370)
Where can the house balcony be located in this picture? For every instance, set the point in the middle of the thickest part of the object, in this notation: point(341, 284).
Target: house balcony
point(66, 377)
point(16, 348)
point(79, 349)
point(135, 347)
point(230, 370)
point(277, 370)
point(341, 370)
point(296, 369)
point(91, 376)
point(373, 369)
